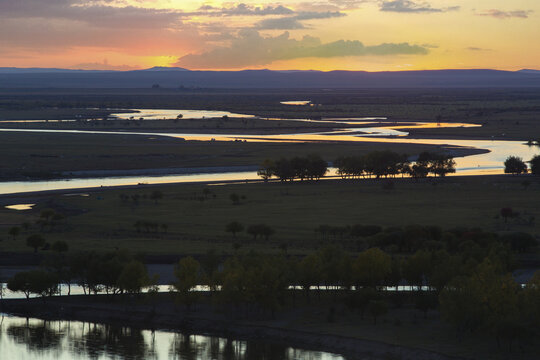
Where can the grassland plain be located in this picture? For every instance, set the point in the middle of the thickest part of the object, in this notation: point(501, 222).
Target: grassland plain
point(196, 220)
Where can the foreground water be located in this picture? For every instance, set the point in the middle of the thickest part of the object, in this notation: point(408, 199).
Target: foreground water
point(369, 129)
point(30, 339)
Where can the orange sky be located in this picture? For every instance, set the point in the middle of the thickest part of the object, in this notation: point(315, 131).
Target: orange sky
point(373, 35)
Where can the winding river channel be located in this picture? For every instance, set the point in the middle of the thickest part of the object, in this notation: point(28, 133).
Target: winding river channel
point(366, 129)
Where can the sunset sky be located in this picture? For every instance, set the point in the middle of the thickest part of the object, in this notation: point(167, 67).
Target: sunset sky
point(372, 35)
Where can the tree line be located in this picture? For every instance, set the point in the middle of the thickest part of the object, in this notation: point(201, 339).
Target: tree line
point(373, 164)
point(311, 167)
point(411, 238)
point(388, 163)
point(474, 293)
point(111, 272)
point(465, 275)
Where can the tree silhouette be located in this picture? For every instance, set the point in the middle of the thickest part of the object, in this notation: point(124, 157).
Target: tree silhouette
point(235, 198)
point(514, 165)
point(371, 268)
point(535, 165)
point(442, 165)
point(35, 241)
point(260, 230)
point(267, 169)
point(206, 191)
point(187, 277)
point(284, 169)
point(14, 232)
point(156, 195)
point(37, 282)
point(507, 213)
point(234, 227)
point(419, 170)
point(133, 277)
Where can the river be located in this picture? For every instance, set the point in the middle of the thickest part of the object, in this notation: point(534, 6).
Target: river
point(369, 129)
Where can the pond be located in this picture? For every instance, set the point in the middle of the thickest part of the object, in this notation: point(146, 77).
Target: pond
point(28, 339)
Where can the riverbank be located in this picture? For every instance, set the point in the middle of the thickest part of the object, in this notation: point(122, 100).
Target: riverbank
point(227, 323)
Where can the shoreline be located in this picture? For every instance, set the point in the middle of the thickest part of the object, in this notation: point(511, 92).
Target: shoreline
point(8, 198)
point(195, 322)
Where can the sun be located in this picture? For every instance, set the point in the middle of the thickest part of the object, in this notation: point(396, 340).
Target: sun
point(164, 61)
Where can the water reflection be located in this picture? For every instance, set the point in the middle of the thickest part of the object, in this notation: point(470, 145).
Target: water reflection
point(36, 336)
point(20, 207)
point(23, 339)
point(111, 341)
point(296, 102)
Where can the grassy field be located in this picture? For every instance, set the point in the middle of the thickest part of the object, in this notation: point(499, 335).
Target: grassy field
point(196, 223)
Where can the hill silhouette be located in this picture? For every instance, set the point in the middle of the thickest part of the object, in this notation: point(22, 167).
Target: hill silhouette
point(178, 77)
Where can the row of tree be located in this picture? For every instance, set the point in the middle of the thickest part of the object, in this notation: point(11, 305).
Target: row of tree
point(112, 273)
point(311, 167)
point(411, 238)
point(256, 230)
point(389, 163)
point(474, 292)
point(374, 164)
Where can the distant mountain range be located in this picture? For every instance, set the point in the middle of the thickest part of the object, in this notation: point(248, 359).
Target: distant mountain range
point(167, 77)
point(529, 71)
point(15, 70)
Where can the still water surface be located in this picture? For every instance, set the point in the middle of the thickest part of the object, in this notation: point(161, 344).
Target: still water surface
point(31, 339)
